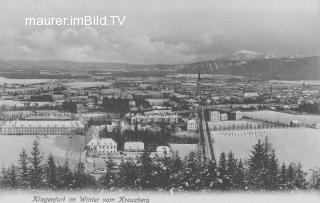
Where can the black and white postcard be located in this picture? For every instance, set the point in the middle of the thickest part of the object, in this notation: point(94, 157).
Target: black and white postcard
point(147, 101)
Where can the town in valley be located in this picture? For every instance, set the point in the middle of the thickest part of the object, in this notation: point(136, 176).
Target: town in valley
point(95, 114)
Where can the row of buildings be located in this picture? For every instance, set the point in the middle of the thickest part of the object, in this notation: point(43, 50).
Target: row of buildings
point(155, 116)
point(97, 147)
point(42, 127)
point(215, 116)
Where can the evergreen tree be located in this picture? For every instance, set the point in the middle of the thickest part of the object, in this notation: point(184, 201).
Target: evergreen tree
point(51, 172)
point(283, 176)
point(231, 170)
point(290, 176)
point(23, 169)
point(13, 177)
point(145, 171)
point(175, 172)
point(65, 176)
point(208, 175)
point(128, 175)
point(272, 168)
point(258, 161)
point(239, 178)
point(300, 181)
point(81, 179)
point(189, 176)
point(5, 178)
point(35, 171)
point(109, 178)
point(296, 177)
point(224, 179)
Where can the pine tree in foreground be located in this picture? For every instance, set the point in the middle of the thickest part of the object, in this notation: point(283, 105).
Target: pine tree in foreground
point(23, 169)
point(81, 179)
point(65, 177)
point(161, 173)
point(189, 179)
point(35, 170)
point(145, 171)
point(128, 175)
point(5, 178)
point(256, 167)
point(283, 177)
point(13, 177)
point(51, 173)
point(108, 179)
point(224, 179)
point(174, 173)
point(231, 170)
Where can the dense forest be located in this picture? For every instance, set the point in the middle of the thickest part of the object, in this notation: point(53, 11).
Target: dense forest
point(261, 172)
point(122, 105)
point(310, 108)
point(69, 106)
point(41, 98)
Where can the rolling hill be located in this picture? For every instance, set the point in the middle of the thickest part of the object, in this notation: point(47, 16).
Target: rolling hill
point(242, 63)
point(307, 68)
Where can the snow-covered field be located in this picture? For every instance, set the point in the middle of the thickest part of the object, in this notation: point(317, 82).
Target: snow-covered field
point(299, 145)
point(285, 117)
point(4, 80)
point(58, 146)
point(10, 103)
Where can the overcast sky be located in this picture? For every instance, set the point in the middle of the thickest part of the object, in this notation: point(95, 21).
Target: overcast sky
point(161, 31)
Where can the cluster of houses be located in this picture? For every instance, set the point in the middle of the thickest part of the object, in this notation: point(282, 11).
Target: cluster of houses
point(155, 116)
point(101, 147)
point(215, 116)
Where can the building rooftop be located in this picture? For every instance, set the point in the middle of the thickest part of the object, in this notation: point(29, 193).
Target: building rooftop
point(44, 123)
point(101, 141)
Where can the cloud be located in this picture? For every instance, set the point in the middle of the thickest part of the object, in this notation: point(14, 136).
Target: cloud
point(160, 31)
point(87, 44)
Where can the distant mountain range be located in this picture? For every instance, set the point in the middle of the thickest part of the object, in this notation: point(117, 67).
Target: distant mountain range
point(242, 63)
point(245, 55)
point(64, 65)
point(260, 66)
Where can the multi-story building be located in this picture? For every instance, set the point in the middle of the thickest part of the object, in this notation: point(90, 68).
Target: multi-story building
point(192, 125)
point(43, 127)
point(156, 116)
point(236, 115)
point(101, 146)
point(163, 151)
point(133, 146)
point(109, 127)
point(224, 117)
point(214, 116)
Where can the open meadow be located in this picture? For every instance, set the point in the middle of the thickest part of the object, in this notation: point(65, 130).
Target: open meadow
point(284, 117)
point(59, 146)
point(299, 145)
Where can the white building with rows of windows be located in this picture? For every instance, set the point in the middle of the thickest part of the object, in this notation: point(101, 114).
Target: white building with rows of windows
point(101, 146)
point(133, 146)
point(156, 116)
point(214, 116)
point(192, 125)
point(44, 127)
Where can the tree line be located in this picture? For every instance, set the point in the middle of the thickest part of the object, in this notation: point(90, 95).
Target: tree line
point(313, 108)
point(69, 106)
point(122, 105)
point(261, 172)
